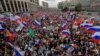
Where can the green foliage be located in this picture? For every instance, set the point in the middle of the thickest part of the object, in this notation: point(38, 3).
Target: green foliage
point(60, 5)
point(64, 9)
point(78, 7)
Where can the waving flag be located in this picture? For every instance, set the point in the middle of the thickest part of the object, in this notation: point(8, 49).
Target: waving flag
point(20, 27)
point(1, 28)
point(65, 33)
point(22, 22)
point(86, 25)
point(12, 17)
point(17, 51)
point(25, 22)
point(37, 22)
point(64, 26)
point(94, 28)
point(96, 37)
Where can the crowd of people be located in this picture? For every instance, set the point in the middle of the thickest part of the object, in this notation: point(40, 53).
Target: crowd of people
point(45, 34)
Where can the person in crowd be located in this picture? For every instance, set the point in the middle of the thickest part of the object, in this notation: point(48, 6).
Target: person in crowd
point(38, 35)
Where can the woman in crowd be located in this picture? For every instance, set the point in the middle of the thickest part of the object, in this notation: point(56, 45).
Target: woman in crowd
point(44, 38)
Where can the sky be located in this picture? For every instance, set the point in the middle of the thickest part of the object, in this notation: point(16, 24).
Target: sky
point(51, 3)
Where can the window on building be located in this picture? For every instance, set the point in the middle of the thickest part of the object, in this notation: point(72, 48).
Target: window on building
point(22, 6)
point(3, 5)
point(8, 5)
point(11, 2)
point(16, 6)
point(26, 6)
point(19, 6)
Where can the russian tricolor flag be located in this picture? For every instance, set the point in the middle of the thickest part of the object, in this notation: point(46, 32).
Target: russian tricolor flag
point(13, 18)
point(25, 21)
point(94, 28)
point(21, 25)
point(66, 33)
point(86, 25)
point(17, 52)
point(96, 37)
point(64, 26)
point(37, 23)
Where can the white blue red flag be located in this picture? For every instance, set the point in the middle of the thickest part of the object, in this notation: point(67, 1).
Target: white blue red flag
point(66, 33)
point(86, 25)
point(17, 52)
point(94, 28)
point(37, 23)
point(96, 37)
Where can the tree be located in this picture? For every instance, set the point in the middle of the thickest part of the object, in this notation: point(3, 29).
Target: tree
point(60, 5)
point(78, 7)
point(64, 9)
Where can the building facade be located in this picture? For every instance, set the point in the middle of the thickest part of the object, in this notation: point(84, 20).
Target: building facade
point(1, 8)
point(17, 5)
point(87, 5)
point(96, 5)
point(44, 4)
point(91, 5)
point(35, 2)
